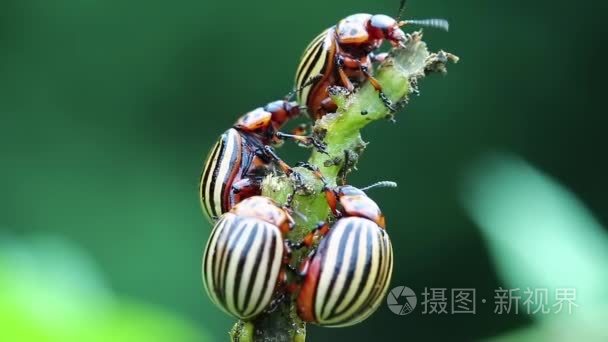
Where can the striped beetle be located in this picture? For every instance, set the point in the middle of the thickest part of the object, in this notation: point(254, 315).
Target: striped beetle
point(242, 157)
point(343, 55)
point(243, 259)
point(346, 277)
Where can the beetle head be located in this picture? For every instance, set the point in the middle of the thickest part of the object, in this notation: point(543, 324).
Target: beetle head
point(282, 111)
point(355, 202)
point(382, 26)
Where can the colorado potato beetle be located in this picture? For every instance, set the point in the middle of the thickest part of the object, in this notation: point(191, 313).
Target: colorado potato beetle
point(346, 277)
point(342, 55)
point(242, 157)
point(244, 257)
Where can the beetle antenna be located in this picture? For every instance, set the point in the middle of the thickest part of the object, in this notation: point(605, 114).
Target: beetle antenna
point(310, 81)
point(290, 95)
point(381, 184)
point(401, 9)
point(434, 23)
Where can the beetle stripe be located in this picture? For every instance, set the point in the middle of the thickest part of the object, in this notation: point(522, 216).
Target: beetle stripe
point(332, 253)
point(211, 257)
point(223, 243)
point(241, 264)
point(384, 276)
point(270, 276)
point(266, 279)
point(312, 59)
point(314, 62)
point(214, 171)
point(339, 281)
point(361, 274)
point(207, 171)
point(211, 174)
point(355, 273)
point(351, 272)
point(375, 292)
point(208, 263)
point(252, 267)
point(309, 52)
point(382, 281)
point(230, 251)
point(232, 168)
point(226, 160)
point(317, 65)
point(221, 167)
point(232, 274)
point(345, 272)
point(239, 292)
point(388, 271)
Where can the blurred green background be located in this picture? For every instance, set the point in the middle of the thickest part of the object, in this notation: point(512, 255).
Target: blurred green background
point(108, 109)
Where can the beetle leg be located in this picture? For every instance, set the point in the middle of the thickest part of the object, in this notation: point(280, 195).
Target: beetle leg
point(330, 194)
point(353, 64)
point(321, 229)
point(299, 183)
point(288, 267)
point(300, 129)
point(297, 276)
point(340, 62)
point(356, 63)
point(269, 151)
point(387, 102)
point(277, 298)
point(292, 269)
point(315, 170)
point(345, 168)
point(310, 81)
point(378, 58)
point(288, 246)
point(374, 82)
point(289, 200)
point(401, 104)
point(305, 264)
point(328, 106)
point(304, 140)
point(244, 184)
point(365, 70)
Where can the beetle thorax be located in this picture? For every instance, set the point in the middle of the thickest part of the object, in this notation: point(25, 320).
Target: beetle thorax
point(355, 202)
point(258, 123)
point(353, 29)
point(264, 209)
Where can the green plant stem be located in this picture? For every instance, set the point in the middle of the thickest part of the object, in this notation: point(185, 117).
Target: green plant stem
point(398, 76)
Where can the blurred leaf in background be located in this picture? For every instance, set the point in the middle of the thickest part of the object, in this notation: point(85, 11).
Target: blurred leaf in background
point(50, 290)
point(540, 235)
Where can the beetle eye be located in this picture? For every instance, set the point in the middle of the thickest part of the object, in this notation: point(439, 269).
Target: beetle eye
point(383, 22)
